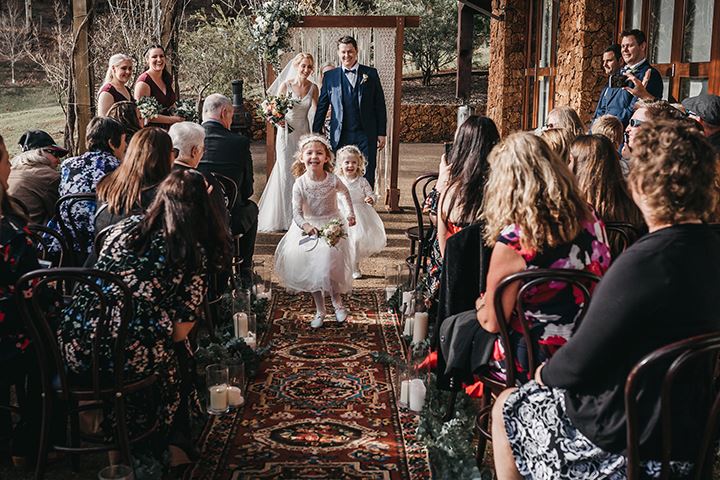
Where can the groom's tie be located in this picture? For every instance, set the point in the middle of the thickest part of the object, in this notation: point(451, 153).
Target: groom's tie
point(351, 79)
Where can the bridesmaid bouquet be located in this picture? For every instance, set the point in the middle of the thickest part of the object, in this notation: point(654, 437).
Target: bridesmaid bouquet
point(274, 109)
point(187, 110)
point(333, 232)
point(149, 107)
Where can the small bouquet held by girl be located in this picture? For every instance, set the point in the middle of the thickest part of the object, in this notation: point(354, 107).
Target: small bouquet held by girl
point(368, 237)
point(274, 109)
point(326, 267)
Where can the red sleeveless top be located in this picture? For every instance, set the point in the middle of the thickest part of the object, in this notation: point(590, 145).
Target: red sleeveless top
point(117, 96)
point(166, 99)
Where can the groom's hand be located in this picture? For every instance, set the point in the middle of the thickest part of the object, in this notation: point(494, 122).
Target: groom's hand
point(381, 143)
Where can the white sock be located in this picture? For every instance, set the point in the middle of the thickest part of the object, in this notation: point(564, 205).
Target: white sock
point(319, 301)
point(337, 301)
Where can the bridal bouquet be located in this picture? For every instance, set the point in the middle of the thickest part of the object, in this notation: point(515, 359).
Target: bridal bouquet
point(149, 107)
point(274, 109)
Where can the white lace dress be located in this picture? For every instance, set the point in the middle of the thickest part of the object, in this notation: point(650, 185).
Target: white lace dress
point(315, 266)
point(368, 235)
point(276, 201)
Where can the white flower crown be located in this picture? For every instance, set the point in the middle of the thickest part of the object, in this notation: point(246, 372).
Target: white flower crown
point(314, 138)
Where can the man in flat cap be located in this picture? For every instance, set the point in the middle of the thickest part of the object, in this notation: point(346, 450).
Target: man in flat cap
point(706, 110)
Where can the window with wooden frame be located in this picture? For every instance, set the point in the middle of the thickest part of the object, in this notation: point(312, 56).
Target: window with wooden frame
point(683, 42)
point(541, 54)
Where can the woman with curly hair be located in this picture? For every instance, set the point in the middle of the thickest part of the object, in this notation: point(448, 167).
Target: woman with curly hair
point(575, 406)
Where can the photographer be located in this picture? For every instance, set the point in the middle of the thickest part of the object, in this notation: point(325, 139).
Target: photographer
point(636, 80)
point(612, 62)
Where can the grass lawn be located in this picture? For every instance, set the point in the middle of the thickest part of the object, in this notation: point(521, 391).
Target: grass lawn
point(28, 108)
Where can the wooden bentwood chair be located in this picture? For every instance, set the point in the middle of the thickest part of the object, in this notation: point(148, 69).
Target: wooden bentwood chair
point(420, 234)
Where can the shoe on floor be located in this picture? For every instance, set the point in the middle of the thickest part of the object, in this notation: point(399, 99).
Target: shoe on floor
point(340, 315)
point(317, 322)
point(356, 274)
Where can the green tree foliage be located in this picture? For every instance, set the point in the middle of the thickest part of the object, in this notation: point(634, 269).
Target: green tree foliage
point(215, 49)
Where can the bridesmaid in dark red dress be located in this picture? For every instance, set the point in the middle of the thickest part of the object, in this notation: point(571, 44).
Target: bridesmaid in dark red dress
point(114, 89)
point(156, 82)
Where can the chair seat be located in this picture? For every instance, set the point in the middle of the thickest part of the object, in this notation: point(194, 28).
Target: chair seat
point(412, 233)
point(81, 390)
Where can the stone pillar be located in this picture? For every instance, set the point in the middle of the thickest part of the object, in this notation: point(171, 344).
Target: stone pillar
point(586, 30)
point(506, 79)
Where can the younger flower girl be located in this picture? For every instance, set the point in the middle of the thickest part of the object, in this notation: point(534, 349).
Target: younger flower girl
point(368, 236)
point(305, 261)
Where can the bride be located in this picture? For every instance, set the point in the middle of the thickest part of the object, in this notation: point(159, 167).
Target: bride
point(276, 200)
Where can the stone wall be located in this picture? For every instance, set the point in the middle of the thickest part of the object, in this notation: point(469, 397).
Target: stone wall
point(585, 30)
point(506, 83)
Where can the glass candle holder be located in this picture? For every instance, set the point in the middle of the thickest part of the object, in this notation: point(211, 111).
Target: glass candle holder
point(250, 336)
point(236, 385)
point(217, 384)
point(392, 280)
point(262, 280)
point(404, 377)
point(116, 472)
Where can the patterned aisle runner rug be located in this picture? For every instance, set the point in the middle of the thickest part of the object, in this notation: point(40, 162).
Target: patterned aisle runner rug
point(320, 407)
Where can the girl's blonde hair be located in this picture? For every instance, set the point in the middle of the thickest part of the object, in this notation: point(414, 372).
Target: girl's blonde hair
point(567, 118)
point(347, 151)
point(611, 127)
point(116, 59)
point(530, 187)
point(298, 167)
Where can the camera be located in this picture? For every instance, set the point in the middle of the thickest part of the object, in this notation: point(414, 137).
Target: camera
point(619, 80)
point(448, 148)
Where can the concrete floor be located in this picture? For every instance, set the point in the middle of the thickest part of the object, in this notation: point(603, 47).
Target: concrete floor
point(415, 159)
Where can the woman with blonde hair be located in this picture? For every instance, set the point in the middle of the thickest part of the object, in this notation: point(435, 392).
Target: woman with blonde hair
point(565, 117)
point(611, 127)
point(559, 141)
point(114, 89)
point(535, 217)
point(275, 207)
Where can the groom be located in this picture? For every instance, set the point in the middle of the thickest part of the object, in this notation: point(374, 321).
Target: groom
point(358, 106)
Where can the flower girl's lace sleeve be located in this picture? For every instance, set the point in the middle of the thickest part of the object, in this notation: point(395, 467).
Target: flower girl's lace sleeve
point(297, 204)
point(367, 189)
point(344, 193)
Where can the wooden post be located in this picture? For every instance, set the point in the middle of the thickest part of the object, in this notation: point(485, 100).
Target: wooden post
point(392, 195)
point(81, 64)
point(465, 52)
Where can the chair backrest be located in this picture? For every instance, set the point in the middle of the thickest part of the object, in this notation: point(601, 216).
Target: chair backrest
point(42, 237)
point(423, 184)
point(230, 189)
point(580, 280)
point(621, 236)
point(682, 355)
point(108, 331)
point(100, 238)
point(74, 233)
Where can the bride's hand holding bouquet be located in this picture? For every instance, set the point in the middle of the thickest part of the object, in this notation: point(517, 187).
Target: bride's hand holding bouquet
point(274, 109)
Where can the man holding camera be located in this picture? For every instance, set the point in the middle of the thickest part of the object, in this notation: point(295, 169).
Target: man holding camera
point(612, 62)
point(637, 79)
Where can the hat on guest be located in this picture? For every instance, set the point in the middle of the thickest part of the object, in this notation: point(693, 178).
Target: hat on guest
point(34, 139)
point(705, 106)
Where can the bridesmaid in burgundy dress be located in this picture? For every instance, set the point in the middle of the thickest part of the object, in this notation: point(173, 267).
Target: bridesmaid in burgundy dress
point(114, 87)
point(156, 82)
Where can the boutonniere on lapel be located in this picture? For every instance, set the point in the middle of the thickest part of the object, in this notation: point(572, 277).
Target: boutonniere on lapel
point(364, 78)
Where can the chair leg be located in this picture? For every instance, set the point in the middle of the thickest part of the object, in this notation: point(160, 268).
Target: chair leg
point(123, 436)
point(418, 263)
point(482, 424)
point(44, 440)
point(412, 247)
point(451, 407)
point(74, 435)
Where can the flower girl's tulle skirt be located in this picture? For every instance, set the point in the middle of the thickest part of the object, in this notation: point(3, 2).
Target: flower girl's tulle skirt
point(324, 268)
point(368, 235)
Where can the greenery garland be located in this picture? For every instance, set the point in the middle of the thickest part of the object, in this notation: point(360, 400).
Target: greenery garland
point(270, 30)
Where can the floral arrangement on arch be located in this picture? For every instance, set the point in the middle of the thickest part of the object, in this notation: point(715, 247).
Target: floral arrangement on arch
point(273, 19)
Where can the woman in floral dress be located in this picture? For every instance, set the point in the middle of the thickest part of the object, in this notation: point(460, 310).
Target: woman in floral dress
point(164, 258)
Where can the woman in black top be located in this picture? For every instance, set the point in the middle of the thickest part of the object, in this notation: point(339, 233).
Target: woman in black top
point(571, 422)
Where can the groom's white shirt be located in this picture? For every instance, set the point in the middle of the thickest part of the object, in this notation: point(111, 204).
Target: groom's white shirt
point(352, 77)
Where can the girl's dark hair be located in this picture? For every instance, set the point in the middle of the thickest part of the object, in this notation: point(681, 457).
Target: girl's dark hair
point(469, 166)
point(190, 225)
point(125, 112)
point(147, 162)
point(166, 76)
point(101, 131)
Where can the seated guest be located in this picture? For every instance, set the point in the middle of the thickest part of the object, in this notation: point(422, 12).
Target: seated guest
point(106, 148)
point(611, 127)
point(596, 166)
point(19, 366)
point(228, 153)
point(705, 109)
point(131, 188)
point(166, 254)
point(559, 141)
point(565, 117)
point(536, 217)
point(129, 117)
point(34, 178)
point(571, 421)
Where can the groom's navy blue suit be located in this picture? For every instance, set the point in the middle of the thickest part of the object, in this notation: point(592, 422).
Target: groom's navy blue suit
point(358, 113)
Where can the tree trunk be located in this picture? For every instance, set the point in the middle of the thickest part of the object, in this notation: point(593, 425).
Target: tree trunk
point(28, 14)
point(426, 77)
point(12, 71)
point(169, 26)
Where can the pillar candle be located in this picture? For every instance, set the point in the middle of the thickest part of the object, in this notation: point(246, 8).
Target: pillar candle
point(406, 299)
point(389, 292)
point(250, 340)
point(218, 398)
point(404, 393)
point(235, 398)
point(240, 321)
point(264, 294)
point(420, 327)
point(408, 331)
point(417, 395)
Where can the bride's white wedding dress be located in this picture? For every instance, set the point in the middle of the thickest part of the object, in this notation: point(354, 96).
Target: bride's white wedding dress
point(276, 200)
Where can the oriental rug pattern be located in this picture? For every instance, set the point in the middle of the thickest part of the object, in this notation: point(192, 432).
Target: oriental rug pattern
point(321, 407)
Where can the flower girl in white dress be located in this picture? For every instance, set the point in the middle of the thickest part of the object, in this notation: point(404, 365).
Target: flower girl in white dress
point(305, 261)
point(368, 237)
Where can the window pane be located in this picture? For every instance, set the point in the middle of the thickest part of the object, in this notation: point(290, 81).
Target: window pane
point(546, 33)
point(666, 88)
point(633, 18)
point(543, 100)
point(690, 87)
point(529, 114)
point(698, 30)
point(661, 28)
